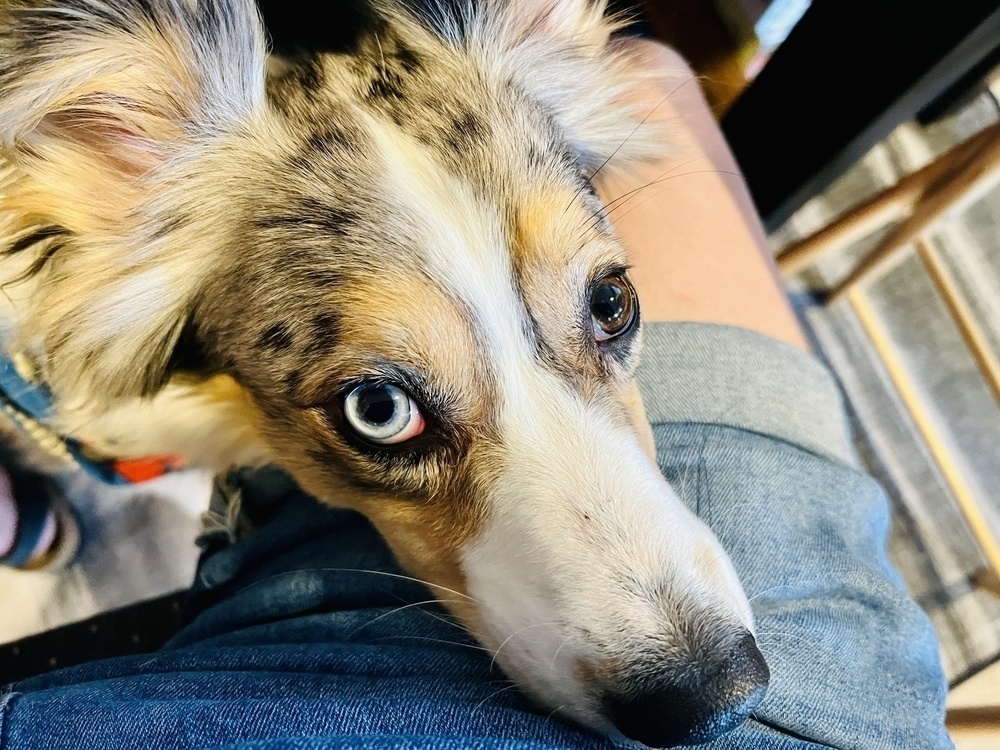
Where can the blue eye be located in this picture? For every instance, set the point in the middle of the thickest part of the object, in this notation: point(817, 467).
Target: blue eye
point(383, 413)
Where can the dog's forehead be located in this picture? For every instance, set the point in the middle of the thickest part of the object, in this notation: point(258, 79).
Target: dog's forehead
point(445, 198)
point(475, 125)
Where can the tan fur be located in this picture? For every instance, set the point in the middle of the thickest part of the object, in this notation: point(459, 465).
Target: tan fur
point(637, 414)
point(206, 253)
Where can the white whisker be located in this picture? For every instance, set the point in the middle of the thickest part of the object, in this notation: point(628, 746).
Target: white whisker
point(432, 640)
point(356, 570)
point(392, 612)
point(491, 696)
point(511, 636)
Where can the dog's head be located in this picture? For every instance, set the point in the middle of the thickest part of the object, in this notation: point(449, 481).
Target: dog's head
point(397, 258)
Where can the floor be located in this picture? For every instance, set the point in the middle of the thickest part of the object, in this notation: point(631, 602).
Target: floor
point(138, 544)
point(931, 543)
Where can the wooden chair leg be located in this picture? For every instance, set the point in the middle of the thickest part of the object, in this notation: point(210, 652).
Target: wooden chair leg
point(961, 314)
point(973, 717)
point(978, 174)
point(936, 444)
point(891, 204)
point(985, 579)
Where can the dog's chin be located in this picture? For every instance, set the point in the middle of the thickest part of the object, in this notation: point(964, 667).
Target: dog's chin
point(658, 702)
point(661, 672)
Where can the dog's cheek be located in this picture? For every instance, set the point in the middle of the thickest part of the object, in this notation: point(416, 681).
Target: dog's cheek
point(637, 416)
point(427, 540)
point(425, 534)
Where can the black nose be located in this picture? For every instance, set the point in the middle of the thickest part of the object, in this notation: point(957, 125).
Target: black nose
point(693, 703)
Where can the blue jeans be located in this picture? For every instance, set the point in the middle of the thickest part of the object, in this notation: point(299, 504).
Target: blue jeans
point(301, 636)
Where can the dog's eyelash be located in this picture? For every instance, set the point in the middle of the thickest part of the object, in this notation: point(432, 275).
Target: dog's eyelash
point(391, 374)
point(432, 406)
point(602, 272)
point(611, 268)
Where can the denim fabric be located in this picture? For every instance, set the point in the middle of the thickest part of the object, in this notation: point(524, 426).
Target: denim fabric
point(301, 637)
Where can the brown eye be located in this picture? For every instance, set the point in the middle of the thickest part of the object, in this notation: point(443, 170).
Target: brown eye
point(613, 307)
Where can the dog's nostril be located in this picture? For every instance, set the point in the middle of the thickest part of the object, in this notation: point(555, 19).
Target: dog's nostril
point(683, 709)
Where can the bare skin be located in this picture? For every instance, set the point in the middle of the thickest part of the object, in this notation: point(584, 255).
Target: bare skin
point(697, 246)
point(8, 523)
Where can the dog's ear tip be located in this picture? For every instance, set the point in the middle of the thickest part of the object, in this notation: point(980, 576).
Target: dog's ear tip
point(113, 373)
point(119, 66)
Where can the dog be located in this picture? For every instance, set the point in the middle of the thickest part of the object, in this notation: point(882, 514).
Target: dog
point(387, 272)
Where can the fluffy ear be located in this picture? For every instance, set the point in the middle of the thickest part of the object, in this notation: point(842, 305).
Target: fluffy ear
point(108, 110)
point(564, 54)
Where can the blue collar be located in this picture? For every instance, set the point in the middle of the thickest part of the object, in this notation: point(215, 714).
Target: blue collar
point(28, 405)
